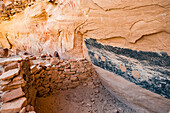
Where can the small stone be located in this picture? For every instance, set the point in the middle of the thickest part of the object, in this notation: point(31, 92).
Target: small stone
point(20, 82)
point(58, 81)
point(61, 69)
point(4, 83)
point(54, 61)
point(81, 70)
point(68, 67)
point(62, 76)
point(101, 99)
point(55, 54)
point(81, 59)
point(42, 64)
point(97, 86)
point(82, 103)
point(48, 66)
point(31, 112)
point(116, 111)
point(6, 88)
point(83, 77)
point(25, 56)
point(66, 82)
point(5, 54)
point(89, 105)
point(76, 83)
point(46, 86)
point(64, 88)
point(32, 108)
point(85, 84)
point(23, 110)
point(17, 78)
point(74, 79)
point(90, 111)
point(33, 68)
point(33, 58)
point(96, 96)
point(8, 96)
point(73, 65)
point(1, 92)
point(90, 83)
point(8, 61)
point(91, 96)
point(92, 100)
point(67, 70)
point(69, 73)
point(14, 106)
point(59, 85)
point(49, 55)
point(11, 66)
point(26, 53)
point(43, 55)
point(107, 94)
point(72, 86)
point(29, 108)
point(72, 70)
point(97, 91)
point(9, 74)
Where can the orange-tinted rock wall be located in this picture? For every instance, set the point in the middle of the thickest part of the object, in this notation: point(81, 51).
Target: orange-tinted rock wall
point(46, 26)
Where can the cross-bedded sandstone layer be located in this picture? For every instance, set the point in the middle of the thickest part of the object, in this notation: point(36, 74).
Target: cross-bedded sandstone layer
point(61, 25)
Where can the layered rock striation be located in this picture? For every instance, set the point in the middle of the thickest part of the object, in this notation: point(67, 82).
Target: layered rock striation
point(61, 25)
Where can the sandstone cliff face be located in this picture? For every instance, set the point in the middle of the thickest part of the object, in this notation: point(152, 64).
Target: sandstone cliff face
point(45, 27)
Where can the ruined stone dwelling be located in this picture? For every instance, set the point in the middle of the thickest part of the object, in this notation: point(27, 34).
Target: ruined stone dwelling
point(84, 56)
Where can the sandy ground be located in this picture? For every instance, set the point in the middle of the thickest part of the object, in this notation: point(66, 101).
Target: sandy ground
point(83, 99)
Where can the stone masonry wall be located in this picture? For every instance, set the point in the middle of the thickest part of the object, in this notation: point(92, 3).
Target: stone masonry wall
point(25, 78)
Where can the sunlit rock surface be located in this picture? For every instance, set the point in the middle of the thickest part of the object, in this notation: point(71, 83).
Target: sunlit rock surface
point(45, 27)
point(129, 38)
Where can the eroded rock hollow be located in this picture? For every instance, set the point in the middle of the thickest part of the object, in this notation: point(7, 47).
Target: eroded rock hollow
point(56, 47)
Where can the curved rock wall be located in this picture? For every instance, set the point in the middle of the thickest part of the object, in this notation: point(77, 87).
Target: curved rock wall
point(148, 70)
point(45, 26)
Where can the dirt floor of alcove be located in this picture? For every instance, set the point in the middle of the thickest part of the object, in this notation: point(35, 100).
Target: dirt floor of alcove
point(83, 99)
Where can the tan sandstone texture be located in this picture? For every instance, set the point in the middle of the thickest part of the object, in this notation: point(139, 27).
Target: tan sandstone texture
point(14, 106)
point(12, 95)
point(45, 27)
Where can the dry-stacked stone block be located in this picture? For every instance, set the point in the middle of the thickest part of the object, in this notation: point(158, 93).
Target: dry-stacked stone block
point(25, 78)
point(12, 82)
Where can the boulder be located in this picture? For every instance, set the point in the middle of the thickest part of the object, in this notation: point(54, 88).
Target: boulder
point(4, 83)
point(14, 106)
point(11, 66)
point(9, 74)
point(7, 61)
point(54, 61)
point(16, 93)
point(23, 110)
